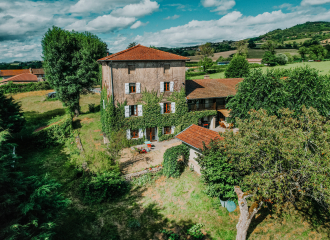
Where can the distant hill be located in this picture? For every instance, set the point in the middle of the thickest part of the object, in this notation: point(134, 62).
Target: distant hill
point(300, 31)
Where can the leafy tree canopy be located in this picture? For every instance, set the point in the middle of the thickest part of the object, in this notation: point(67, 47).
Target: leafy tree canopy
point(206, 63)
point(270, 46)
point(206, 50)
point(241, 47)
point(269, 58)
point(132, 44)
point(70, 63)
point(278, 89)
point(238, 67)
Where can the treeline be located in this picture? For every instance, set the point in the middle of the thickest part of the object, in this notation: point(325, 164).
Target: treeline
point(22, 65)
point(25, 87)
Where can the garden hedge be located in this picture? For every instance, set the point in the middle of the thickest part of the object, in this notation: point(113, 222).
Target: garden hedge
point(24, 87)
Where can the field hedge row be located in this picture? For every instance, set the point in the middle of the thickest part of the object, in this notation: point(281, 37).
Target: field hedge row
point(24, 87)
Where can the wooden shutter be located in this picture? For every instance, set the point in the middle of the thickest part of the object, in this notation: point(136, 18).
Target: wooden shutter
point(161, 86)
point(126, 111)
point(140, 133)
point(126, 88)
point(161, 108)
point(172, 129)
point(173, 107)
point(138, 87)
point(140, 114)
point(103, 104)
point(128, 134)
point(171, 86)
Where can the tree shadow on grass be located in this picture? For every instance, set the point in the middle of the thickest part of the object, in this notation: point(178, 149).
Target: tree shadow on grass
point(262, 215)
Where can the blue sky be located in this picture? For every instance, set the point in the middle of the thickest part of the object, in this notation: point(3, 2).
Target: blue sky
point(162, 23)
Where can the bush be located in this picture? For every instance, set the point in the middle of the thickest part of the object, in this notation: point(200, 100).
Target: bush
point(269, 58)
point(217, 172)
point(91, 107)
point(170, 164)
point(281, 59)
point(192, 74)
point(103, 187)
point(195, 231)
point(290, 58)
point(166, 137)
point(25, 87)
point(237, 68)
point(255, 65)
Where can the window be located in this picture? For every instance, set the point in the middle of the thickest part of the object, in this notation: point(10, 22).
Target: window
point(167, 107)
point(166, 68)
point(134, 133)
point(166, 86)
point(133, 110)
point(167, 130)
point(132, 88)
point(131, 69)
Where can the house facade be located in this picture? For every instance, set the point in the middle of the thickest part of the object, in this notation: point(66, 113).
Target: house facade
point(127, 74)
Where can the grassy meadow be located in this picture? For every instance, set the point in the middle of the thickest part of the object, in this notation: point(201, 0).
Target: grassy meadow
point(297, 40)
point(258, 53)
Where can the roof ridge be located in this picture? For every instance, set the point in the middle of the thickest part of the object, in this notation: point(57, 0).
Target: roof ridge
point(124, 51)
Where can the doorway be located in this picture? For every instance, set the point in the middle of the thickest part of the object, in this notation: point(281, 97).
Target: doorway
point(151, 134)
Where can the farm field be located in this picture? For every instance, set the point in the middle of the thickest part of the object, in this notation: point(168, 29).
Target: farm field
point(156, 203)
point(215, 57)
point(297, 40)
point(258, 53)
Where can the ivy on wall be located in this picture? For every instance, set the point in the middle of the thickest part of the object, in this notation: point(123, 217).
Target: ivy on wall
point(171, 164)
point(113, 117)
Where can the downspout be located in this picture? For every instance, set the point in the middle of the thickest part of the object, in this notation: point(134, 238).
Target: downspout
point(113, 99)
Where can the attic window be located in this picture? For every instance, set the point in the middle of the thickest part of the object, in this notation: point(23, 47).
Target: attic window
point(131, 69)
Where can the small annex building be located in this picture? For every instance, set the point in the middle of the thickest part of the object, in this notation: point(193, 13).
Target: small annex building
point(21, 78)
point(194, 137)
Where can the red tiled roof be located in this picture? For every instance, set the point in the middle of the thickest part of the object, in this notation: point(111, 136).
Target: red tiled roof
point(211, 88)
point(196, 135)
point(13, 72)
point(142, 53)
point(24, 77)
point(38, 71)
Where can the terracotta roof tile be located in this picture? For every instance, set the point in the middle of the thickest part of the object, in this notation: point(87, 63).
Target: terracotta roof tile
point(142, 53)
point(13, 72)
point(211, 88)
point(38, 71)
point(196, 135)
point(24, 77)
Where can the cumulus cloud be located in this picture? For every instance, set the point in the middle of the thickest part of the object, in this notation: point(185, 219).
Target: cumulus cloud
point(138, 24)
point(221, 6)
point(88, 6)
point(141, 9)
point(314, 2)
point(172, 17)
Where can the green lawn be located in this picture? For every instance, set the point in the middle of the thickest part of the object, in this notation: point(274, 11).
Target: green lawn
point(323, 67)
point(258, 53)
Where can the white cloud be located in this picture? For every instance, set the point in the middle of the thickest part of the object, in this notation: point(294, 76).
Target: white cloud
point(88, 6)
point(172, 17)
point(314, 2)
point(221, 6)
point(138, 24)
point(141, 9)
point(284, 5)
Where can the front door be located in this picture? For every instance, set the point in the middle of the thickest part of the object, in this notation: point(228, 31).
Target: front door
point(151, 134)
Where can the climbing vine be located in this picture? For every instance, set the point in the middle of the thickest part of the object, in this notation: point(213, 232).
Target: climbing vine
point(113, 116)
point(171, 164)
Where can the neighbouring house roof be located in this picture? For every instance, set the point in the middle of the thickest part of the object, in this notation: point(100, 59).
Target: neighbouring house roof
point(211, 88)
point(24, 77)
point(254, 59)
point(38, 71)
point(196, 135)
point(13, 72)
point(142, 53)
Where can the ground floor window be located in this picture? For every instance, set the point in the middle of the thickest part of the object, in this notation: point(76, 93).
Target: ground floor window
point(167, 130)
point(134, 133)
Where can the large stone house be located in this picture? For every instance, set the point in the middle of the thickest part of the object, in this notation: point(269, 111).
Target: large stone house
point(126, 74)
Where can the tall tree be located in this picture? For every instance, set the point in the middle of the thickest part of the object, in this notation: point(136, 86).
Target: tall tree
point(303, 51)
point(278, 89)
point(318, 52)
point(206, 50)
point(70, 63)
point(241, 47)
point(251, 43)
point(11, 116)
point(270, 46)
point(132, 44)
point(238, 67)
point(206, 63)
point(282, 160)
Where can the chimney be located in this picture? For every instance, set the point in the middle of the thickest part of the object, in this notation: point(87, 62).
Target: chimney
point(107, 53)
point(206, 77)
point(30, 69)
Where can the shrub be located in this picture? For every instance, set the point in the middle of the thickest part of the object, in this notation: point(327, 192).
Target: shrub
point(290, 58)
point(237, 68)
point(91, 107)
point(103, 187)
point(133, 223)
point(217, 172)
point(281, 59)
point(192, 74)
point(25, 87)
point(195, 231)
point(171, 165)
point(269, 58)
point(255, 65)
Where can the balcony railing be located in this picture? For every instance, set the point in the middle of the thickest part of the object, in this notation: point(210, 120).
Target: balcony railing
point(202, 106)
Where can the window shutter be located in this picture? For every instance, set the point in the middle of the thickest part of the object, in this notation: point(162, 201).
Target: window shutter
point(128, 134)
point(172, 129)
point(140, 114)
point(140, 133)
point(161, 86)
point(126, 111)
point(173, 107)
point(103, 104)
point(171, 86)
point(163, 130)
point(138, 87)
point(161, 108)
point(126, 88)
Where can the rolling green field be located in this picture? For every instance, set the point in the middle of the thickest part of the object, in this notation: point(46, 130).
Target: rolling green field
point(323, 67)
point(258, 53)
point(297, 40)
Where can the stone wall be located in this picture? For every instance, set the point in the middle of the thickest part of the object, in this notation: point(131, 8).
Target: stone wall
point(193, 162)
